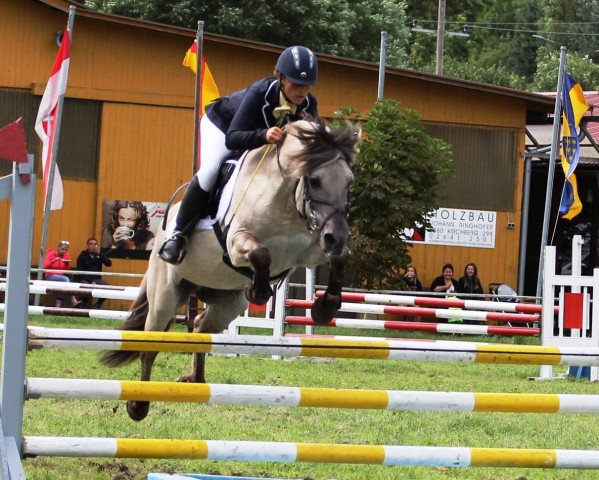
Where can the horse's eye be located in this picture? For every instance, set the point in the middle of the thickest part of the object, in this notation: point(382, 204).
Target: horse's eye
point(314, 182)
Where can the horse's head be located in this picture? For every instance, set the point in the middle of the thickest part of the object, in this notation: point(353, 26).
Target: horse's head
point(321, 161)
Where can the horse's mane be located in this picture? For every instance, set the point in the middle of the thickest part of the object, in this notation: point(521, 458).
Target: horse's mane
point(322, 143)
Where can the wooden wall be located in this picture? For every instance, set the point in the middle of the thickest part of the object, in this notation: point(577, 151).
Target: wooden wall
point(145, 138)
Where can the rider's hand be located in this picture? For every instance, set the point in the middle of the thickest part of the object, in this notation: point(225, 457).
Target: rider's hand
point(274, 135)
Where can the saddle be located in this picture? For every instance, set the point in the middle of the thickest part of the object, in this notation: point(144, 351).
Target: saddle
point(224, 175)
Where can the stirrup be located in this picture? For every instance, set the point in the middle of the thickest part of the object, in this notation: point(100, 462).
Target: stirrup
point(177, 242)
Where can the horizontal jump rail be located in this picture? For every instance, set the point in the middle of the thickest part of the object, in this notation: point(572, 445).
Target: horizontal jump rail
point(425, 312)
point(370, 324)
point(310, 397)
point(83, 312)
point(413, 350)
point(284, 452)
point(114, 294)
point(413, 300)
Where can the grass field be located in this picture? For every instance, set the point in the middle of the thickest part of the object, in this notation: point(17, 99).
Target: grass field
point(197, 421)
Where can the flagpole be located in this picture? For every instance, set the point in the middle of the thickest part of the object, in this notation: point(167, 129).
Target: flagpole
point(198, 96)
point(551, 172)
point(53, 155)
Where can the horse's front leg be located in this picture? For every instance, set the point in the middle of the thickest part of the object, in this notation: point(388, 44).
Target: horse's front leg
point(327, 306)
point(245, 248)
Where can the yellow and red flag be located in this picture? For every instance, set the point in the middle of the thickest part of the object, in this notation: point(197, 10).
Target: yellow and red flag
point(209, 88)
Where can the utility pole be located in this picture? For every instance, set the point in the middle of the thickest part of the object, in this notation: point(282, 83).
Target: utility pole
point(440, 37)
point(440, 33)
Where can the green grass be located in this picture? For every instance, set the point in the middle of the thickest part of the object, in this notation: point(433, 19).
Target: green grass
point(197, 421)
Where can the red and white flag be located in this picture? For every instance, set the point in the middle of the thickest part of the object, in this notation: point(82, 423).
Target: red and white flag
point(47, 115)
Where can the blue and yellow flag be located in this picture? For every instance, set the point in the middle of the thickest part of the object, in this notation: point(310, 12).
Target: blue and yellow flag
point(574, 107)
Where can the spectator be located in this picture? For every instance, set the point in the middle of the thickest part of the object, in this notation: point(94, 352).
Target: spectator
point(445, 282)
point(470, 283)
point(129, 227)
point(91, 260)
point(411, 279)
point(59, 259)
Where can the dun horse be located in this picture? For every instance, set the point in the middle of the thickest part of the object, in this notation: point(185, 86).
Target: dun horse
point(288, 210)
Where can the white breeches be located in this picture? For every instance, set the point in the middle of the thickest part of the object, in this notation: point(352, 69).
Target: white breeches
point(212, 153)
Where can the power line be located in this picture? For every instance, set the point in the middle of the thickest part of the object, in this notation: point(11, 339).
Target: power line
point(517, 30)
point(461, 22)
point(579, 34)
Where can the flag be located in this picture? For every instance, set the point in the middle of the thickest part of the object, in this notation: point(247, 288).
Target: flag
point(47, 115)
point(12, 142)
point(574, 107)
point(209, 90)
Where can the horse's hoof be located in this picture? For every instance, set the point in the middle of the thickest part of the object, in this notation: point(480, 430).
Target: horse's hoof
point(190, 378)
point(258, 297)
point(323, 312)
point(138, 410)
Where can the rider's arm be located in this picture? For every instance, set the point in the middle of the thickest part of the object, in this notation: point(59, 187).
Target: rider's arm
point(248, 127)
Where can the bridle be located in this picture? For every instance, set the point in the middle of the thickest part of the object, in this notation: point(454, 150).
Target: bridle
point(307, 212)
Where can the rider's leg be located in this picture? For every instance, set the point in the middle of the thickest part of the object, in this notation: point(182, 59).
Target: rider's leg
point(194, 205)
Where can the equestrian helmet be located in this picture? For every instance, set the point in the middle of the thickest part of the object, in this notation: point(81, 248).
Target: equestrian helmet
point(298, 65)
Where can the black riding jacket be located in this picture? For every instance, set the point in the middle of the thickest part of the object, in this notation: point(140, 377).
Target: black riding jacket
point(246, 115)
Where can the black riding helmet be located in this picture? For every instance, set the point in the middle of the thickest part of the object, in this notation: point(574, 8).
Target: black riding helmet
point(298, 65)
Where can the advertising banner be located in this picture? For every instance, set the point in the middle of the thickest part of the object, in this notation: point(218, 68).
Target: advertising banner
point(129, 227)
point(459, 227)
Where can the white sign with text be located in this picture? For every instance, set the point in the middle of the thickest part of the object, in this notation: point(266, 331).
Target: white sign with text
point(460, 227)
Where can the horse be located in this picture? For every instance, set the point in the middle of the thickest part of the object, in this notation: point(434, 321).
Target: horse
point(289, 209)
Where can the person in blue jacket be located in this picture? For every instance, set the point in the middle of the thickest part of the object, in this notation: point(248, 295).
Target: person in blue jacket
point(244, 120)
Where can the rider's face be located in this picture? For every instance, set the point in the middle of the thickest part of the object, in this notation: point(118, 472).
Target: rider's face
point(296, 93)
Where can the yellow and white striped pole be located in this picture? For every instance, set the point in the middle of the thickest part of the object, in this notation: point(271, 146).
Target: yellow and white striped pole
point(310, 397)
point(309, 452)
point(416, 350)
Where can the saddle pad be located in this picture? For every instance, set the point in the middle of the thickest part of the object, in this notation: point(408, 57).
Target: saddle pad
point(224, 203)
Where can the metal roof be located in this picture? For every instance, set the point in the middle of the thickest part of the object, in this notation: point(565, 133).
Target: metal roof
point(538, 106)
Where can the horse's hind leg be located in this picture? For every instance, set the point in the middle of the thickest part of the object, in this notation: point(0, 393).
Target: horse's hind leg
point(164, 298)
point(223, 306)
point(138, 409)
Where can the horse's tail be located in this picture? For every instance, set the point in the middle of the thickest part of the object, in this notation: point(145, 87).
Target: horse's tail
point(136, 321)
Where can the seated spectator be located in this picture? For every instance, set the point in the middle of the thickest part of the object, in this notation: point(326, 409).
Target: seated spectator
point(470, 283)
point(91, 260)
point(411, 279)
point(445, 282)
point(58, 260)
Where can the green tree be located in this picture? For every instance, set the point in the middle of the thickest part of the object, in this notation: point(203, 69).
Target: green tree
point(398, 176)
point(581, 68)
point(572, 23)
point(337, 27)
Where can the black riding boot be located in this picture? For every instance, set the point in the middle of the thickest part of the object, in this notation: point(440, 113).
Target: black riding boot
point(194, 206)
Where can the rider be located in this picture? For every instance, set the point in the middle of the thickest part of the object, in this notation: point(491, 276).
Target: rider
point(244, 120)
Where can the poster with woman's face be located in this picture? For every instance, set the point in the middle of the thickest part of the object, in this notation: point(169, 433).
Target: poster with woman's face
point(129, 227)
